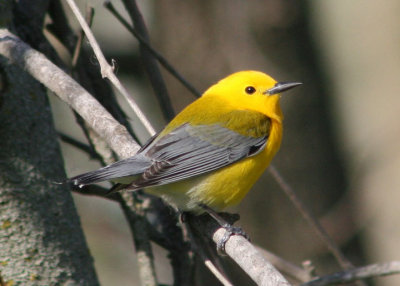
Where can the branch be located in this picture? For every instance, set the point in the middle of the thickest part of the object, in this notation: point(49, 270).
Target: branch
point(324, 236)
point(87, 73)
point(199, 245)
point(242, 252)
point(107, 70)
point(369, 271)
point(285, 266)
point(79, 145)
point(154, 53)
point(136, 216)
point(78, 46)
point(68, 90)
point(149, 63)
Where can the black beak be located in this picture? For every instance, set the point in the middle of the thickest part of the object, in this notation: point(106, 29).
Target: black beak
point(282, 86)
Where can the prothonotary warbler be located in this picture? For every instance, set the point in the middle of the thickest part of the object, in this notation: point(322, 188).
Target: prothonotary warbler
point(212, 152)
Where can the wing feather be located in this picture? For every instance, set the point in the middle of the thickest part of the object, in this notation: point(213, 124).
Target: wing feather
point(195, 150)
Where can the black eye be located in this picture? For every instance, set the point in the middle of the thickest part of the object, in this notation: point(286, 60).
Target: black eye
point(250, 90)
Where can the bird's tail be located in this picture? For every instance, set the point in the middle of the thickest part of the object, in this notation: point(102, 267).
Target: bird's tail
point(122, 169)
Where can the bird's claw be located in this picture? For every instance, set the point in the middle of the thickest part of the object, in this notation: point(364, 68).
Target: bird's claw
point(229, 231)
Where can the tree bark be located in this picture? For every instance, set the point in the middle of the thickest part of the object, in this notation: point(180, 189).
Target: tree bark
point(41, 241)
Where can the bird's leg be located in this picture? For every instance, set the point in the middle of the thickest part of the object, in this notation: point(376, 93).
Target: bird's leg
point(230, 229)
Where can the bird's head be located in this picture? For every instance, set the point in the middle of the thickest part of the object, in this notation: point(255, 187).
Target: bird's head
point(252, 90)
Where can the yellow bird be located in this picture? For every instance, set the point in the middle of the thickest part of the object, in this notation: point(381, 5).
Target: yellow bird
point(212, 152)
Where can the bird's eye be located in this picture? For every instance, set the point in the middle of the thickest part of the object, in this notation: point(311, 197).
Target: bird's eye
point(250, 90)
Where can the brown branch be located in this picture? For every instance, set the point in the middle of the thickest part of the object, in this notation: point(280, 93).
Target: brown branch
point(79, 145)
point(199, 245)
point(154, 53)
point(369, 271)
point(324, 236)
point(78, 46)
point(149, 63)
point(136, 216)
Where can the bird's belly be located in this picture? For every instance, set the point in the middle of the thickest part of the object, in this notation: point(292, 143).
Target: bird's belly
point(218, 189)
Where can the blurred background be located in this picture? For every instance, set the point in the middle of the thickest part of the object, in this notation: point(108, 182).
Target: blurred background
point(340, 149)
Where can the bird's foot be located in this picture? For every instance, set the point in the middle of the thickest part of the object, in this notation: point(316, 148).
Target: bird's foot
point(229, 231)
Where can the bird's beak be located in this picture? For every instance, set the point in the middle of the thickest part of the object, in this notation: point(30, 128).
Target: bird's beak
point(282, 86)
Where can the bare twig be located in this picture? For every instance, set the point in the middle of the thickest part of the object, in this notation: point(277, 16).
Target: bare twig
point(149, 62)
point(199, 245)
point(107, 70)
point(78, 46)
point(154, 53)
point(81, 146)
point(216, 273)
point(87, 74)
point(324, 236)
point(369, 271)
point(136, 217)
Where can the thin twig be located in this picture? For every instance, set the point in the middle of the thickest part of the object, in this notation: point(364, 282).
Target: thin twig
point(107, 70)
point(217, 273)
point(197, 245)
point(135, 213)
point(369, 271)
point(155, 54)
point(81, 146)
point(149, 63)
point(78, 46)
point(324, 236)
point(87, 74)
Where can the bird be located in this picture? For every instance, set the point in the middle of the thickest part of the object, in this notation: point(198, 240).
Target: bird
point(210, 155)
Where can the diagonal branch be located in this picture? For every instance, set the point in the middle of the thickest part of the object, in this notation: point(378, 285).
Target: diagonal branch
point(69, 91)
point(242, 252)
point(149, 62)
point(107, 70)
point(369, 271)
point(324, 236)
point(154, 53)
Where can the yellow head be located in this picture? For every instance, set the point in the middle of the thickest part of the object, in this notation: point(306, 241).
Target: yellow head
point(251, 90)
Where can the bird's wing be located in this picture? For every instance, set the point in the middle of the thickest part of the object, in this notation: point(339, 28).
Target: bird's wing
point(187, 151)
point(129, 167)
point(194, 150)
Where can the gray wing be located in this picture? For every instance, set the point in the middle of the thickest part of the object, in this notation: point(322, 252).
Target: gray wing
point(125, 168)
point(194, 150)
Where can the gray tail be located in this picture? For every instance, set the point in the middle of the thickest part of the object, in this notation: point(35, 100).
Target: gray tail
point(124, 168)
